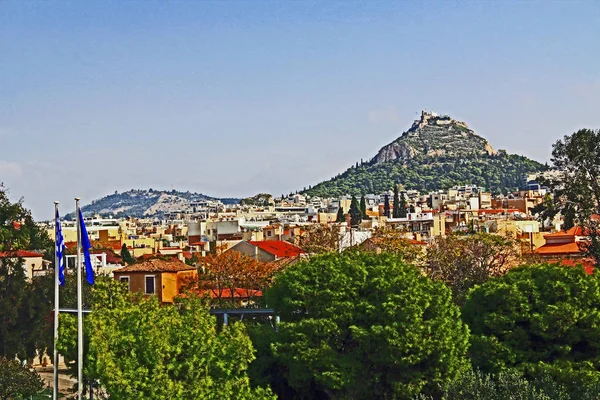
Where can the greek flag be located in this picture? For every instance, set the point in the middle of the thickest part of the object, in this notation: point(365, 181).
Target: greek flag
point(60, 249)
point(85, 245)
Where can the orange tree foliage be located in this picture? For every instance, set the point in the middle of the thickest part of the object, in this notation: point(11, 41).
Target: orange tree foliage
point(463, 262)
point(320, 239)
point(224, 272)
point(394, 241)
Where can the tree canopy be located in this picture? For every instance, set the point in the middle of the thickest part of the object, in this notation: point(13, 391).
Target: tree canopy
point(17, 381)
point(355, 213)
point(463, 262)
point(538, 319)
point(576, 184)
point(23, 314)
point(139, 349)
point(363, 325)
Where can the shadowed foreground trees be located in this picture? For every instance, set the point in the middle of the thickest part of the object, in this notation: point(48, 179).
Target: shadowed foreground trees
point(17, 381)
point(24, 315)
point(362, 326)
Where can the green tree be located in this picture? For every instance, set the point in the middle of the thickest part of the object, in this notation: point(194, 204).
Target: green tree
point(340, 215)
point(179, 353)
point(126, 255)
point(363, 208)
point(576, 185)
point(396, 211)
point(17, 381)
point(386, 206)
point(542, 319)
point(22, 314)
point(355, 214)
point(361, 325)
point(462, 262)
point(476, 385)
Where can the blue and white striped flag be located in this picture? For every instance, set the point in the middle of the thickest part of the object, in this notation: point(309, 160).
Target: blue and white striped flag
point(85, 245)
point(60, 249)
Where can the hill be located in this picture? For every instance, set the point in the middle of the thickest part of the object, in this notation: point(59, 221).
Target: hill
point(145, 203)
point(437, 152)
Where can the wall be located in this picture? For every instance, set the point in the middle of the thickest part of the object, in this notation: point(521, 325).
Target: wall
point(137, 281)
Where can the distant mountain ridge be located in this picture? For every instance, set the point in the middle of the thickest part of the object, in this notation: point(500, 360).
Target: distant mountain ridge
point(145, 203)
point(437, 152)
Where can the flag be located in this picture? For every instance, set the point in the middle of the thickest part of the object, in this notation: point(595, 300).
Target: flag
point(60, 248)
point(85, 245)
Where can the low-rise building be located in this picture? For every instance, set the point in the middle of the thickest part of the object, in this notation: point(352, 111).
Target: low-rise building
point(155, 276)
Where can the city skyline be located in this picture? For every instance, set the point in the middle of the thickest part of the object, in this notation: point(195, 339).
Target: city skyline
point(233, 99)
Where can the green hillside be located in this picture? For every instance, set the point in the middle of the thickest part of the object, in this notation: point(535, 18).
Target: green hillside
point(500, 173)
point(437, 152)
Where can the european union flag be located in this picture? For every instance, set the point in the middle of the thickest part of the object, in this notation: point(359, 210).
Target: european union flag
point(60, 248)
point(85, 245)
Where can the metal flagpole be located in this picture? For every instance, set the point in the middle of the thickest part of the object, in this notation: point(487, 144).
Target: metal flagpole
point(56, 303)
point(79, 309)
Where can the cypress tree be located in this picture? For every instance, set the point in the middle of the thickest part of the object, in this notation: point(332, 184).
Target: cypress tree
point(402, 210)
point(126, 255)
point(363, 208)
point(355, 214)
point(340, 215)
point(396, 211)
point(386, 206)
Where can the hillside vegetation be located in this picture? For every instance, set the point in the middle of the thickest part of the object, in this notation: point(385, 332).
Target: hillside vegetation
point(435, 153)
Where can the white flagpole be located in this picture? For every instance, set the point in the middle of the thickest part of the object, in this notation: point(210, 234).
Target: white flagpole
point(79, 309)
point(56, 305)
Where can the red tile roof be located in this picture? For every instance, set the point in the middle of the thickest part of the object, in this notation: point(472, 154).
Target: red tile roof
point(571, 248)
point(574, 231)
point(20, 253)
point(587, 264)
point(278, 248)
point(226, 293)
point(156, 265)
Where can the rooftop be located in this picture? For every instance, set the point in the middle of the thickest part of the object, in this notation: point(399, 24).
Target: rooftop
point(156, 265)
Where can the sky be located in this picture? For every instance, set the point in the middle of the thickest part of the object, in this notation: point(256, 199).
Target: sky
point(235, 98)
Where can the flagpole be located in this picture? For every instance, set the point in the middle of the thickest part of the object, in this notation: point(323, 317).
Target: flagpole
point(56, 304)
point(79, 309)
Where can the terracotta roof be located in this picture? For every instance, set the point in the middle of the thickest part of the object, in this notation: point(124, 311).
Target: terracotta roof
point(156, 265)
point(279, 248)
point(496, 210)
point(587, 264)
point(560, 249)
point(226, 293)
point(20, 253)
point(574, 231)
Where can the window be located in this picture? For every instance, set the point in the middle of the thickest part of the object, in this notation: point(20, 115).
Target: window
point(269, 233)
point(150, 284)
point(124, 279)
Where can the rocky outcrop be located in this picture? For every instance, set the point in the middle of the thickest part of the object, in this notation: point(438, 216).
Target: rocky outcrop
point(434, 136)
point(395, 151)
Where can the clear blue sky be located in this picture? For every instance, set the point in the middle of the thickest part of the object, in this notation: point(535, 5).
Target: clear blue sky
point(236, 98)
